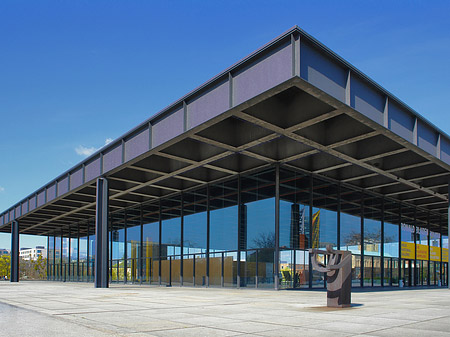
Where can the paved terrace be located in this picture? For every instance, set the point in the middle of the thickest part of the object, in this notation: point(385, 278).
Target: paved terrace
point(74, 309)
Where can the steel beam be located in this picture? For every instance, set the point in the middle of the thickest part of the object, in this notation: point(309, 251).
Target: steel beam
point(354, 139)
point(333, 152)
point(204, 163)
point(101, 232)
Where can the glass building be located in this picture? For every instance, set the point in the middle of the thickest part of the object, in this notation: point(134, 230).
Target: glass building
point(225, 234)
point(290, 149)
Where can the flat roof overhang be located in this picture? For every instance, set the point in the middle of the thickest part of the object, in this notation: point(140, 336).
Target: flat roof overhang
point(294, 123)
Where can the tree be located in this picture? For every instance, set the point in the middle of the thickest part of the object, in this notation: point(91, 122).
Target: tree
point(33, 269)
point(5, 266)
point(264, 240)
point(354, 238)
point(265, 243)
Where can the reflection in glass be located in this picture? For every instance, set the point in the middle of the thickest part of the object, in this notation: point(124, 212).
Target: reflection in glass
point(150, 243)
point(171, 240)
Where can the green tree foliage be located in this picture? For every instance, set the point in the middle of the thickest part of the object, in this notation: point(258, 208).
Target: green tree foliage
point(33, 269)
point(5, 266)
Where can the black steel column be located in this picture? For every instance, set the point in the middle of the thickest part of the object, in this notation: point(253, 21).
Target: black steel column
point(429, 250)
point(400, 245)
point(238, 272)
point(68, 252)
point(311, 201)
point(54, 257)
point(111, 229)
point(78, 252)
point(294, 237)
point(182, 242)
point(141, 248)
point(361, 267)
point(14, 251)
point(61, 252)
point(208, 234)
point(101, 234)
point(125, 248)
point(415, 273)
point(88, 253)
point(382, 243)
point(448, 236)
point(222, 270)
point(277, 226)
point(339, 216)
point(48, 249)
point(441, 232)
point(159, 245)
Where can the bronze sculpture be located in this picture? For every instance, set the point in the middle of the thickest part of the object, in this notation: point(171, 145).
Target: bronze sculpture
point(339, 275)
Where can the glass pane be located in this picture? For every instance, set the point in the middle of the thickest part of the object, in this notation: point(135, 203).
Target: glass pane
point(324, 221)
point(92, 247)
point(391, 238)
point(224, 216)
point(368, 260)
point(351, 221)
point(372, 225)
point(287, 269)
point(387, 271)
point(376, 266)
point(188, 270)
point(230, 269)
point(83, 258)
point(170, 240)
point(133, 244)
point(248, 268)
point(200, 269)
point(51, 248)
point(258, 228)
point(395, 272)
point(58, 256)
point(151, 242)
point(258, 197)
point(294, 210)
point(118, 248)
point(215, 269)
point(195, 221)
point(356, 271)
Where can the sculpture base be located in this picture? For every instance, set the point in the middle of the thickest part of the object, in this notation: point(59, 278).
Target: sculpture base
point(333, 305)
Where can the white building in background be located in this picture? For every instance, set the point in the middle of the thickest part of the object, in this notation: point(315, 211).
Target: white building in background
point(32, 253)
point(4, 251)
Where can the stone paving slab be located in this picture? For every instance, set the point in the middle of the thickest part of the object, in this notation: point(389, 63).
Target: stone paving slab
point(78, 309)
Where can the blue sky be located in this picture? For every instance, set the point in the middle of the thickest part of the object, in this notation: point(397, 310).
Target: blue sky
point(74, 74)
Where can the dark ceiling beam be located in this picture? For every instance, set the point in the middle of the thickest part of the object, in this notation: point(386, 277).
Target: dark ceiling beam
point(437, 175)
point(315, 120)
point(364, 176)
point(149, 183)
point(299, 156)
point(334, 152)
point(354, 139)
point(381, 185)
point(331, 168)
point(385, 154)
point(407, 167)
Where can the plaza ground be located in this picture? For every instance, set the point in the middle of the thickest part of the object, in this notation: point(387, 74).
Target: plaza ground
point(78, 309)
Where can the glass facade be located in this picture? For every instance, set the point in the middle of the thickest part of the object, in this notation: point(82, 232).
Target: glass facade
point(227, 234)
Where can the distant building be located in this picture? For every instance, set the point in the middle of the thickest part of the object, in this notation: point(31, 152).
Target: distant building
point(32, 253)
point(4, 251)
